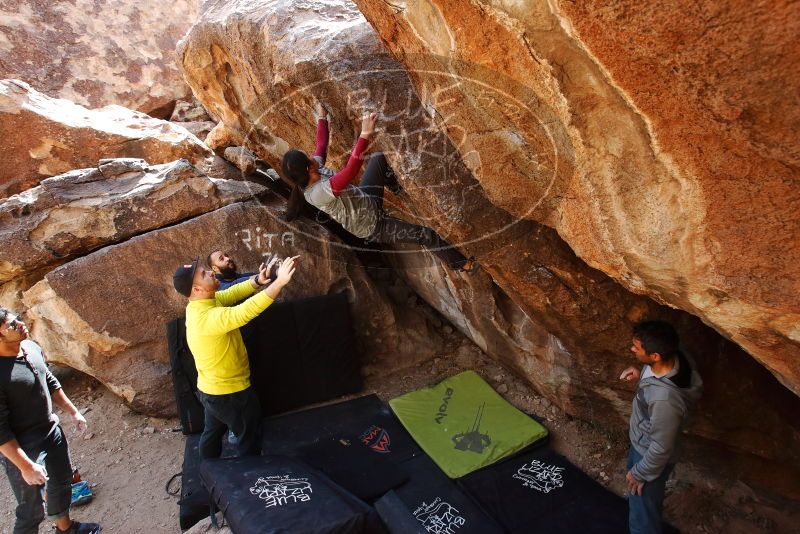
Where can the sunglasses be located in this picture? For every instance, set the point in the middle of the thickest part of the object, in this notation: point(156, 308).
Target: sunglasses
point(14, 324)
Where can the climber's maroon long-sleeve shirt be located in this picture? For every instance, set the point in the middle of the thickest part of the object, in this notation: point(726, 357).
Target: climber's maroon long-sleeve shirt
point(339, 180)
point(355, 210)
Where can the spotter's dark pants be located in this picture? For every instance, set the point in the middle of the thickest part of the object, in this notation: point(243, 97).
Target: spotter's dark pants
point(238, 412)
point(53, 454)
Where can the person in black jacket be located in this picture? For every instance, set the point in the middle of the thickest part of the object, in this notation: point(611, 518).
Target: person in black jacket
point(32, 443)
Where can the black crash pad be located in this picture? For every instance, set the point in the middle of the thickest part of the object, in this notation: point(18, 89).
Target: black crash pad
point(541, 491)
point(194, 497)
point(358, 443)
point(272, 494)
point(435, 502)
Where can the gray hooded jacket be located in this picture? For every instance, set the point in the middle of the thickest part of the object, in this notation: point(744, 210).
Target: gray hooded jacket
point(660, 409)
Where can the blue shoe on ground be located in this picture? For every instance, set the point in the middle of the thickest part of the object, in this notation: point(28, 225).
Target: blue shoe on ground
point(81, 493)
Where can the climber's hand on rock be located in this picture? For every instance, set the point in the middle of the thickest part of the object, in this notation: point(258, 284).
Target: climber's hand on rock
point(320, 111)
point(368, 125)
point(629, 374)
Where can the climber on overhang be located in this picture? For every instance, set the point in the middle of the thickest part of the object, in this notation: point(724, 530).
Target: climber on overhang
point(358, 209)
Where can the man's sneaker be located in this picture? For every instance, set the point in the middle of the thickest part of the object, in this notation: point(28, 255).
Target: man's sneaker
point(81, 493)
point(81, 528)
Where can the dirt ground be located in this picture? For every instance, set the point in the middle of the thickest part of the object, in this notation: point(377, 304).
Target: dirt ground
point(129, 457)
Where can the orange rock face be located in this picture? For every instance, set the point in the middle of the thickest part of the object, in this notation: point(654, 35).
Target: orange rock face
point(511, 172)
point(97, 52)
point(44, 137)
point(659, 141)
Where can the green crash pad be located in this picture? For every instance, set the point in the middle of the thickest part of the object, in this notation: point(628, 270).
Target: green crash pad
point(463, 424)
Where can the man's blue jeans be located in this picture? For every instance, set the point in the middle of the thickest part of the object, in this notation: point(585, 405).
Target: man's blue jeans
point(644, 512)
point(53, 454)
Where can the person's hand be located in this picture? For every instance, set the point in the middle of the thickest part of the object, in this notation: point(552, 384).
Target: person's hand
point(262, 277)
point(272, 267)
point(35, 474)
point(631, 373)
point(320, 111)
point(285, 271)
point(79, 421)
point(635, 487)
point(368, 125)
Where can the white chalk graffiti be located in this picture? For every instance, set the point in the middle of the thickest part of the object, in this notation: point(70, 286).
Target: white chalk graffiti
point(281, 490)
point(258, 240)
point(540, 476)
point(439, 517)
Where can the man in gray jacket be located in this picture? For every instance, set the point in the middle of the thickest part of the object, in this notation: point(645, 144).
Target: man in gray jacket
point(668, 387)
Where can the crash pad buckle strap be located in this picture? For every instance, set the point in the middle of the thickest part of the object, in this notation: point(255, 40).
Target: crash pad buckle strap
point(213, 509)
point(169, 483)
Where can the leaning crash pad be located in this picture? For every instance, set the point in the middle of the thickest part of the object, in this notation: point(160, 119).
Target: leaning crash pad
point(464, 425)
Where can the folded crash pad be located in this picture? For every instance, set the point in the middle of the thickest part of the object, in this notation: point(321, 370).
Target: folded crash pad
point(272, 494)
point(541, 491)
point(464, 425)
point(194, 497)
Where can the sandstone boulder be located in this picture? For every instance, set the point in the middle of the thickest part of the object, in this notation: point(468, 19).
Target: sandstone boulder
point(104, 313)
point(538, 307)
point(44, 137)
point(241, 158)
point(97, 52)
point(658, 140)
point(82, 210)
point(11, 292)
point(189, 112)
point(199, 129)
point(529, 264)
